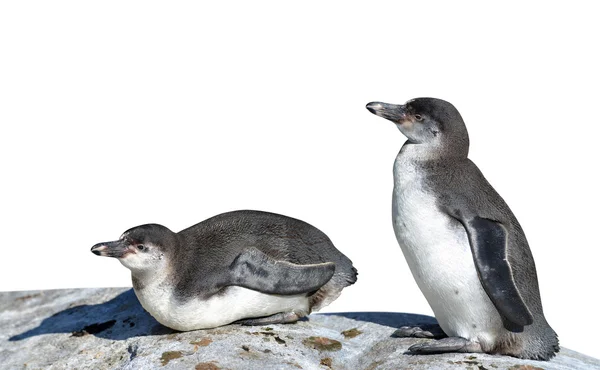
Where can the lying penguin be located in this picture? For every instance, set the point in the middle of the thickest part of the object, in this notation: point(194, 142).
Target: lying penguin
point(465, 248)
point(253, 267)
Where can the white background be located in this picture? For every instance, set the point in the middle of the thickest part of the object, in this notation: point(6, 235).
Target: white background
point(115, 114)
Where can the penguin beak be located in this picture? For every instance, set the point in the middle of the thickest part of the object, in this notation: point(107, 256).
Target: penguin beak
point(117, 249)
point(392, 112)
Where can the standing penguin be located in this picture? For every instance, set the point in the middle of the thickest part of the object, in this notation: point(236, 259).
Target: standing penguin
point(253, 267)
point(465, 248)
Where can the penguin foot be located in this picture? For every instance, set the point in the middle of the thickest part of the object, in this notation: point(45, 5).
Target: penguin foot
point(450, 344)
point(433, 331)
point(278, 318)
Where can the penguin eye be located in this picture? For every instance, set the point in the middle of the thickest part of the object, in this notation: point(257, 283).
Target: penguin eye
point(141, 247)
point(418, 117)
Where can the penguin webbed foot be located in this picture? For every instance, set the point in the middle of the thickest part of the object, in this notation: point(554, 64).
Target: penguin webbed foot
point(432, 331)
point(278, 318)
point(445, 345)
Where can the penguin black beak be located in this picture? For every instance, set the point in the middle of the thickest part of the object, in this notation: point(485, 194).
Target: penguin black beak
point(117, 249)
point(392, 112)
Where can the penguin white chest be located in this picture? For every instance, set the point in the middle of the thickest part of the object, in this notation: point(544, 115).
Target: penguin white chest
point(438, 253)
point(234, 303)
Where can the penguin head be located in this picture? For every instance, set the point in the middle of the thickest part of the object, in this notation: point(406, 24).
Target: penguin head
point(140, 249)
point(433, 122)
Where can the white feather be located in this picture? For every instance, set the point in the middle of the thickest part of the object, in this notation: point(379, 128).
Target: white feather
point(236, 303)
point(438, 253)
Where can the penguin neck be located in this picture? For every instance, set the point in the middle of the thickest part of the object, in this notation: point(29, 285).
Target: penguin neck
point(142, 279)
point(434, 151)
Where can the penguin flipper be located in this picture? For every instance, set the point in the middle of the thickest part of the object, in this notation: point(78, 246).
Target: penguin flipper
point(489, 241)
point(256, 270)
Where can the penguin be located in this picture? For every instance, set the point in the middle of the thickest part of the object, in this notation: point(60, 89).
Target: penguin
point(247, 267)
point(464, 246)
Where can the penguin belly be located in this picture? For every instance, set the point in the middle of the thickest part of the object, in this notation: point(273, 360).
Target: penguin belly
point(438, 253)
point(232, 304)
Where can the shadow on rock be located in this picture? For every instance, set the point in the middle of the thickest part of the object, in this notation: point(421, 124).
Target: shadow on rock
point(392, 319)
point(118, 319)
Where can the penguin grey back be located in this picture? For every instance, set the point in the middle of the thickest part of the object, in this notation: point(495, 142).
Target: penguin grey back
point(205, 248)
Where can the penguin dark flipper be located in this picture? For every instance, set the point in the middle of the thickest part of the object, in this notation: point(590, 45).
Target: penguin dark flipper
point(488, 240)
point(255, 270)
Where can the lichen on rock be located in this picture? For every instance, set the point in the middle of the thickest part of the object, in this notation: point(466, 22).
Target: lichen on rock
point(322, 344)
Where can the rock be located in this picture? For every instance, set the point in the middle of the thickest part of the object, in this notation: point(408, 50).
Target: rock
point(108, 329)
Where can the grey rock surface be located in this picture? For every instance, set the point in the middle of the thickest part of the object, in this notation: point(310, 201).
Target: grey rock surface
point(108, 329)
